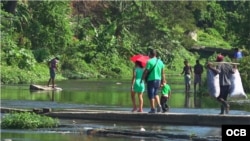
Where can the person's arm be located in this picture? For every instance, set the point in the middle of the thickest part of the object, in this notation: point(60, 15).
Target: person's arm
point(234, 68)
point(215, 70)
point(49, 64)
point(191, 72)
point(133, 80)
point(202, 69)
point(182, 71)
point(163, 77)
point(170, 92)
point(56, 67)
point(195, 69)
point(145, 72)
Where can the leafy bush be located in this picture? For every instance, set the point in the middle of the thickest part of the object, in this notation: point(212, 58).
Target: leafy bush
point(27, 120)
point(244, 69)
point(15, 75)
point(211, 39)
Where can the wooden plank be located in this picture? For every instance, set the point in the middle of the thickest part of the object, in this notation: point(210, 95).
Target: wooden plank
point(225, 63)
point(41, 87)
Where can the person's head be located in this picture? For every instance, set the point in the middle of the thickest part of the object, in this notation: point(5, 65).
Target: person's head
point(164, 81)
point(152, 53)
point(186, 62)
point(197, 62)
point(139, 64)
point(236, 49)
point(219, 58)
point(56, 58)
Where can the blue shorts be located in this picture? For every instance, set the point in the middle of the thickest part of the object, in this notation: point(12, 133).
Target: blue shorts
point(52, 73)
point(152, 88)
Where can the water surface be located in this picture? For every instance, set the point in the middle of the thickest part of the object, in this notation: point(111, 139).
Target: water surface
point(97, 95)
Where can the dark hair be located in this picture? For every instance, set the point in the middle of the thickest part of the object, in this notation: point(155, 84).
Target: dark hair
point(56, 58)
point(152, 52)
point(139, 64)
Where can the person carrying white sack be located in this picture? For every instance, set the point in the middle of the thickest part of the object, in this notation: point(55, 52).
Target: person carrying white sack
point(224, 70)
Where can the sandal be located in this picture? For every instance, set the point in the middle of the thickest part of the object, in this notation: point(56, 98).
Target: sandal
point(133, 110)
point(139, 110)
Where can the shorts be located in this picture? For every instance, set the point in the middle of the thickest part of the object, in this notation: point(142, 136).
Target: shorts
point(52, 73)
point(197, 78)
point(187, 78)
point(152, 88)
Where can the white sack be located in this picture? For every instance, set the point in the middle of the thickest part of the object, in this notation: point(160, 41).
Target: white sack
point(213, 84)
point(236, 89)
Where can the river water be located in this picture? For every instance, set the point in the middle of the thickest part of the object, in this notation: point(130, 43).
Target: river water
point(97, 95)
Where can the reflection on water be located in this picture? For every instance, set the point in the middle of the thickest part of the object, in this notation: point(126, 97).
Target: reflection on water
point(97, 95)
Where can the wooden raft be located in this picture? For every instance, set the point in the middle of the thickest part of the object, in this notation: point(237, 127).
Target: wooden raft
point(45, 88)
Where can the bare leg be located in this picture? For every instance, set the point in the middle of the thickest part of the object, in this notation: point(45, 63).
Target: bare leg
point(195, 88)
point(195, 95)
point(186, 88)
point(224, 104)
point(133, 101)
point(152, 103)
point(158, 100)
point(48, 82)
point(140, 102)
point(53, 83)
point(199, 86)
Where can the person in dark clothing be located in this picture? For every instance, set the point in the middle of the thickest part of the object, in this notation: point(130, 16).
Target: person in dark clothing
point(224, 70)
point(52, 70)
point(187, 71)
point(198, 70)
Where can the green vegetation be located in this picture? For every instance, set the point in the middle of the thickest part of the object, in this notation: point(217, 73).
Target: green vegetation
point(95, 39)
point(27, 120)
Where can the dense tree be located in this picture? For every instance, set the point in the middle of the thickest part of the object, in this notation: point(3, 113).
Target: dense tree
point(238, 17)
point(97, 38)
point(9, 6)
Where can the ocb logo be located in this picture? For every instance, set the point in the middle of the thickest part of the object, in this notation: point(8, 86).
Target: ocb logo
point(236, 132)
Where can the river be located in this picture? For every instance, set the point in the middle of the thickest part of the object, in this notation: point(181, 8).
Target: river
point(101, 95)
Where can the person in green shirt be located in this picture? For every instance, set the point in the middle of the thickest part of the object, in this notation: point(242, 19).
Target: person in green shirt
point(155, 71)
point(137, 87)
point(165, 95)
